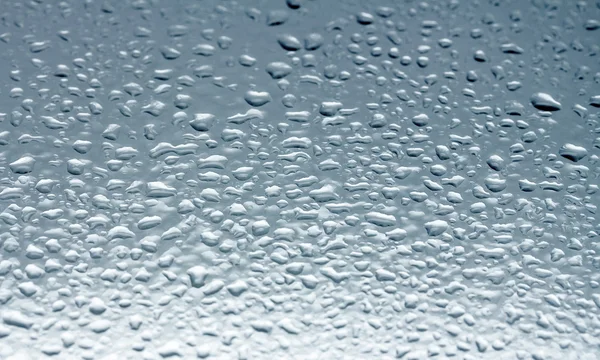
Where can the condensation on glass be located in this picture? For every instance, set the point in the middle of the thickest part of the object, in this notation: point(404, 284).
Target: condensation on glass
point(300, 179)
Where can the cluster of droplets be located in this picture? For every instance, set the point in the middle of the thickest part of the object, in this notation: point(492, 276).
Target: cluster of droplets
point(220, 180)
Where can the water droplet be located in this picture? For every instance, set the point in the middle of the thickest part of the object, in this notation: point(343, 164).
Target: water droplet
point(545, 102)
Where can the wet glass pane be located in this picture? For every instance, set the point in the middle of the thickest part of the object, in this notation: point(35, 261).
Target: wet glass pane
point(299, 179)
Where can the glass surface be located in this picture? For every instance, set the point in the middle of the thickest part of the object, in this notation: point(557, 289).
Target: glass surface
point(300, 179)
